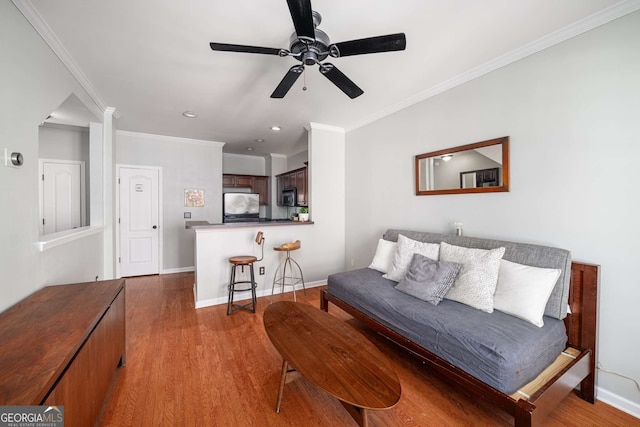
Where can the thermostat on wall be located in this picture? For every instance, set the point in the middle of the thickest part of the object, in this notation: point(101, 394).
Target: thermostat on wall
point(187, 215)
point(15, 158)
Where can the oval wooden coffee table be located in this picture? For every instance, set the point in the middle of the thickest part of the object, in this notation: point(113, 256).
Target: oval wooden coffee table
point(333, 356)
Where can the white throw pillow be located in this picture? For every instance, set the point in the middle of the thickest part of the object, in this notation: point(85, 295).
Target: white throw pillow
point(383, 259)
point(404, 253)
point(476, 282)
point(523, 291)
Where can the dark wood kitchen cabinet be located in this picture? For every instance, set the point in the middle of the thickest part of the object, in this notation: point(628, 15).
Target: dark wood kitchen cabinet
point(261, 186)
point(228, 180)
point(257, 183)
point(279, 187)
point(483, 177)
point(301, 186)
point(298, 179)
point(245, 181)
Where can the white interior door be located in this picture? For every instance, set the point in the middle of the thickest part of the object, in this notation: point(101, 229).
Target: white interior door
point(62, 196)
point(139, 221)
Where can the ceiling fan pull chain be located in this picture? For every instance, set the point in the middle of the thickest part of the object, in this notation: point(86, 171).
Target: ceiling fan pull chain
point(304, 76)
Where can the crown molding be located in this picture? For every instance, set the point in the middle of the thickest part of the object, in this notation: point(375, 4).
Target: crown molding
point(320, 126)
point(602, 17)
point(32, 15)
point(167, 138)
point(77, 127)
point(253, 156)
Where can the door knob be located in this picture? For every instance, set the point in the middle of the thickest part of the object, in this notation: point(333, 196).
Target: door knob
point(155, 226)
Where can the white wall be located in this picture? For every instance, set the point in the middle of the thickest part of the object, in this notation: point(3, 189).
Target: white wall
point(243, 165)
point(33, 82)
point(64, 143)
point(296, 161)
point(60, 265)
point(186, 163)
point(326, 183)
point(572, 114)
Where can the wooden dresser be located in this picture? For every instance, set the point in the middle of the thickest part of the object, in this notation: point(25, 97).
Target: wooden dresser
point(61, 346)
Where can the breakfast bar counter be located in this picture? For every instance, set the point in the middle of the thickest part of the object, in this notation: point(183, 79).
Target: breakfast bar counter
point(216, 243)
point(197, 225)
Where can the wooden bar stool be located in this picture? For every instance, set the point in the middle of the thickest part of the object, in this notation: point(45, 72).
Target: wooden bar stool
point(295, 277)
point(242, 261)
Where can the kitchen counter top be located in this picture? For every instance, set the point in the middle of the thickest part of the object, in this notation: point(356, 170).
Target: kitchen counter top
point(197, 225)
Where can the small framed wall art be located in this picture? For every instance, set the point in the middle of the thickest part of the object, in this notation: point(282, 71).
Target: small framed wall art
point(193, 197)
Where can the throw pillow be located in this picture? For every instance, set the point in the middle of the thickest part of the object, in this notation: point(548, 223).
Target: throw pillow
point(427, 279)
point(476, 282)
point(406, 248)
point(523, 291)
point(383, 259)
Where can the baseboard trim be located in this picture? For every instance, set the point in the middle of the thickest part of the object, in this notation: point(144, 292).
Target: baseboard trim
point(262, 293)
point(618, 402)
point(178, 270)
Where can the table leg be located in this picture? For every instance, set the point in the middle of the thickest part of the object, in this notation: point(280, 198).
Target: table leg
point(360, 415)
point(283, 377)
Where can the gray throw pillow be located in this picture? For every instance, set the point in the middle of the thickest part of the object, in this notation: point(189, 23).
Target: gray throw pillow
point(429, 280)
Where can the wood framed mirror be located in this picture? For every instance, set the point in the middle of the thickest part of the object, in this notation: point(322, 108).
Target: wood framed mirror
point(482, 167)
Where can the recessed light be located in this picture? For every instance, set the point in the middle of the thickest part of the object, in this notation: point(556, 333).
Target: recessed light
point(275, 128)
point(190, 114)
point(249, 148)
point(259, 140)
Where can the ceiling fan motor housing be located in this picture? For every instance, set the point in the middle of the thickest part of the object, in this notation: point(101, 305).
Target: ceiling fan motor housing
point(310, 52)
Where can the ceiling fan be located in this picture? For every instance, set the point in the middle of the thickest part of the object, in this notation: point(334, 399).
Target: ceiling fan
point(311, 46)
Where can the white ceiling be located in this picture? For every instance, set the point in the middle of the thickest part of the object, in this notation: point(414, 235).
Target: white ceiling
point(150, 59)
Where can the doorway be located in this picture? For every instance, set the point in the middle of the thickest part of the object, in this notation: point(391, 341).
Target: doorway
point(139, 220)
point(62, 195)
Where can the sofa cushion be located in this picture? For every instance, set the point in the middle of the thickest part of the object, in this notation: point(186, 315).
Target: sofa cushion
point(383, 258)
point(404, 253)
point(523, 291)
point(476, 282)
point(427, 279)
point(522, 253)
point(503, 351)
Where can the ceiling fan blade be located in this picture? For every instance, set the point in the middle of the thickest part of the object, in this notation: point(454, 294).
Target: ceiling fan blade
point(302, 16)
point(288, 80)
point(244, 49)
point(388, 43)
point(343, 82)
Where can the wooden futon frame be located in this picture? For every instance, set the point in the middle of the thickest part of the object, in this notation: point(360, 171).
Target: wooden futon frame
point(531, 404)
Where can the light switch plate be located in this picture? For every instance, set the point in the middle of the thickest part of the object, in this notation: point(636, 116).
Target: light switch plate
point(187, 215)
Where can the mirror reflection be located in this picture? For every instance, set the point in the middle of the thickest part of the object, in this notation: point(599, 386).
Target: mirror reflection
point(481, 167)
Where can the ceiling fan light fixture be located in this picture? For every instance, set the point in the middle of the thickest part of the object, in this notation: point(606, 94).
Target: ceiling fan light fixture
point(190, 114)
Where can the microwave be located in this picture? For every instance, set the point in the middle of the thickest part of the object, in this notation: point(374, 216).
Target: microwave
point(289, 197)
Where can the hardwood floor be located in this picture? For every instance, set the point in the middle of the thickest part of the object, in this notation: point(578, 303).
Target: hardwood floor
point(188, 367)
